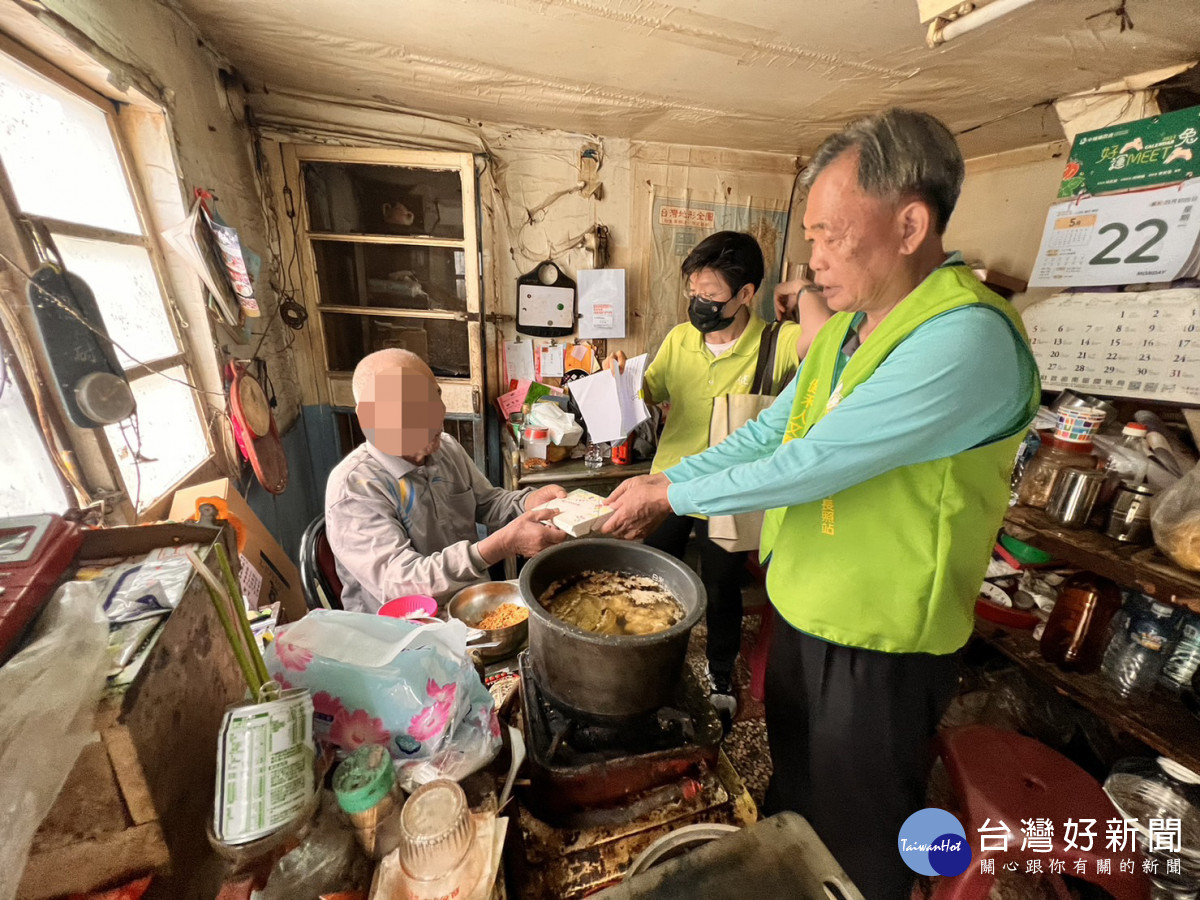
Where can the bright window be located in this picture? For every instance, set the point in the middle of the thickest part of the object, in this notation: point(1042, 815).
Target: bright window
point(61, 153)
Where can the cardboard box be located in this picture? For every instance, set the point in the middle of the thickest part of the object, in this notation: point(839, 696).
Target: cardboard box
point(267, 573)
point(580, 512)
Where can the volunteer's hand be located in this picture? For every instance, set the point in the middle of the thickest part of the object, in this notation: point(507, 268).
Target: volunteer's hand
point(526, 535)
point(618, 358)
point(544, 495)
point(640, 503)
point(787, 294)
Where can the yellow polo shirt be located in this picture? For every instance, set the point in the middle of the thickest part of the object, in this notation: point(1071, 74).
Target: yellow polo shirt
point(686, 374)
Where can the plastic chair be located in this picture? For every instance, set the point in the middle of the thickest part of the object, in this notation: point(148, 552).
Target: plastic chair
point(1005, 777)
point(318, 573)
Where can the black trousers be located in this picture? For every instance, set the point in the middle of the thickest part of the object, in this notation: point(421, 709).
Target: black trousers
point(721, 572)
point(850, 735)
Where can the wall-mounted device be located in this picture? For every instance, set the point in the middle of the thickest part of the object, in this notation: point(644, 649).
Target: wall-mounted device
point(546, 302)
point(87, 373)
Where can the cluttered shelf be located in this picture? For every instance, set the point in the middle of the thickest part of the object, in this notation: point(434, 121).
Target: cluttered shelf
point(1140, 568)
point(1159, 722)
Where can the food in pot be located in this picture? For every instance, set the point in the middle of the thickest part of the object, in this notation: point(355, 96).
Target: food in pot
point(617, 603)
point(503, 616)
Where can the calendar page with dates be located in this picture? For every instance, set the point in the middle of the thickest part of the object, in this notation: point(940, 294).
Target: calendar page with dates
point(1144, 344)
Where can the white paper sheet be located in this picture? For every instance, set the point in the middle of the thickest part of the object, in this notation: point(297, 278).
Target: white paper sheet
point(611, 404)
point(550, 358)
point(518, 357)
point(602, 303)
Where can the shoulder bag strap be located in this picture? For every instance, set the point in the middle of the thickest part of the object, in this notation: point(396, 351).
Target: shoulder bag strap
point(764, 371)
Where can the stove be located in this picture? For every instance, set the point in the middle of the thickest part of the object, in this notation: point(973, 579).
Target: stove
point(585, 771)
point(600, 792)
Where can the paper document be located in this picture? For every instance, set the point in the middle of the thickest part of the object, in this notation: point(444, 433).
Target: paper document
point(602, 303)
point(550, 361)
point(611, 404)
point(518, 359)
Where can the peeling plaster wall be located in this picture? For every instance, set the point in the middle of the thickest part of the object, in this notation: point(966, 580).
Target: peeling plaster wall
point(212, 144)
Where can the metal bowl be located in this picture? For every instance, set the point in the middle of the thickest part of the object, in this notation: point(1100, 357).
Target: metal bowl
point(472, 604)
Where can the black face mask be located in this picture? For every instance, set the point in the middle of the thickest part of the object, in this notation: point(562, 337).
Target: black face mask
point(706, 317)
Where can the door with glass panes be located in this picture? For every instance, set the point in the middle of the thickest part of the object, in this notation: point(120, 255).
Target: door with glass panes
point(390, 249)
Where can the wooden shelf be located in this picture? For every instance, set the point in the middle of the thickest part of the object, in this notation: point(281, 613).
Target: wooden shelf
point(1159, 720)
point(1140, 568)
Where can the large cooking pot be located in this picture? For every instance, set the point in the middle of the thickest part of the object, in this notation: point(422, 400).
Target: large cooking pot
point(601, 675)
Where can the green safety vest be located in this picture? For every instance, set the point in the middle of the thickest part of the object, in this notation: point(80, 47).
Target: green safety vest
point(893, 563)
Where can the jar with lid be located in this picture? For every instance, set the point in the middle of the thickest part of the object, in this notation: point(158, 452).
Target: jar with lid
point(1043, 470)
point(1075, 636)
point(438, 852)
point(535, 441)
point(366, 790)
point(1129, 518)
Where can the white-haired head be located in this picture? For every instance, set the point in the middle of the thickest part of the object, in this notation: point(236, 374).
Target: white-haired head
point(399, 404)
point(374, 363)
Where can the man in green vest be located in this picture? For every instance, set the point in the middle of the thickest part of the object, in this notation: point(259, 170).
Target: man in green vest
point(884, 469)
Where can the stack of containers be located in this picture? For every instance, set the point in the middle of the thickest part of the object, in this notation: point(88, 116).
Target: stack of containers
point(1070, 446)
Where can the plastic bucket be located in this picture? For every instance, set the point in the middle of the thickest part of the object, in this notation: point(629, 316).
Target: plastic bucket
point(416, 606)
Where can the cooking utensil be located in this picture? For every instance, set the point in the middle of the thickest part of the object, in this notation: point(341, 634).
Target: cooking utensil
point(472, 604)
point(1074, 495)
point(608, 676)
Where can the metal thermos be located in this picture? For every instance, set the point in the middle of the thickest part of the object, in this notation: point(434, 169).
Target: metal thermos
point(1074, 496)
point(1129, 519)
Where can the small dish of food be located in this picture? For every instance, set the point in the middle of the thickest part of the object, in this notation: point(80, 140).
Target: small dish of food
point(496, 609)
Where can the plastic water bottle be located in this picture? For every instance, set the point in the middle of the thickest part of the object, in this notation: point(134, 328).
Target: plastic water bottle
point(1133, 664)
point(1181, 665)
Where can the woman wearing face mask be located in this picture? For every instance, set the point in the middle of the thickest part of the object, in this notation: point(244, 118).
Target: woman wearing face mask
point(712, 354)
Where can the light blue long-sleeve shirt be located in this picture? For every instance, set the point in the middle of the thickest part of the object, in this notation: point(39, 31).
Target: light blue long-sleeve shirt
point(958, 381)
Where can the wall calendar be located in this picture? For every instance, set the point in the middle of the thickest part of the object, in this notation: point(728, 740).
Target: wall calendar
point(1144, 344)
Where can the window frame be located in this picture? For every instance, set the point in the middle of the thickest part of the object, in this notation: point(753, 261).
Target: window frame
point(94, 455)
point(464, 397)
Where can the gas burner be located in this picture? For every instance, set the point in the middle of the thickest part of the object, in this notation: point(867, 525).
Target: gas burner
point(579, 763)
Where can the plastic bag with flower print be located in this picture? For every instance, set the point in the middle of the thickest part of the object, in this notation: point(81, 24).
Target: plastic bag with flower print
point(378, 680)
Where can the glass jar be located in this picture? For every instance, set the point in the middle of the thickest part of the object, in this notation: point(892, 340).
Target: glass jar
point(1043, 470)
point(1074, 637)
point(593, 458)
point(438, 852)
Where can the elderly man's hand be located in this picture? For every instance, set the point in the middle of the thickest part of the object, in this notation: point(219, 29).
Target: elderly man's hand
point(544, 495)
point(641, 504)
point(526, 535)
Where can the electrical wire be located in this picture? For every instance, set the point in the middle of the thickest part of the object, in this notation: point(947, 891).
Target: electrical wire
point(787, 221)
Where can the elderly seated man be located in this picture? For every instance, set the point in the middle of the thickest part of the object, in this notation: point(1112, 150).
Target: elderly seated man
point(401, 510)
